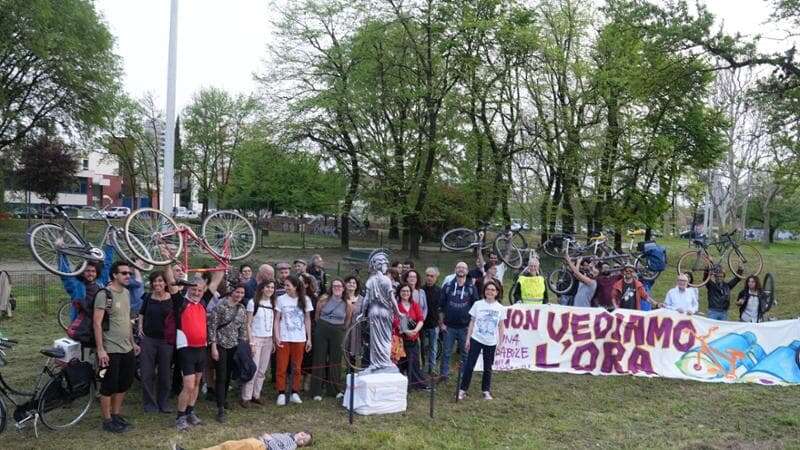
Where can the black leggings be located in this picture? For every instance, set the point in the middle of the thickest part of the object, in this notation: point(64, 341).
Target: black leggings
point(223, 368)
point(476, 348)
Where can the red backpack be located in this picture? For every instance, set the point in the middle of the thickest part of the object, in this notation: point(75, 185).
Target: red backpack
point(82, 329)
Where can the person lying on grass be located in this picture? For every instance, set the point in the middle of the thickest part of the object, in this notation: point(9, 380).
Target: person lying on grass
point(267, 441)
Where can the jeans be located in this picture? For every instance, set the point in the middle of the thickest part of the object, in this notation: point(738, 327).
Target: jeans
point(717, 314)
point(453, 335)
point(430, 347)
point(475, 349)
point(410, 364)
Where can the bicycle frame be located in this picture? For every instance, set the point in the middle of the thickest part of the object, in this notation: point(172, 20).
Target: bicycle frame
point(8, 392)
point(87, 246)
point(188, 235)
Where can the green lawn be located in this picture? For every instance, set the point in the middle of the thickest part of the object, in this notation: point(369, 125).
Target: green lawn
point(530, 410)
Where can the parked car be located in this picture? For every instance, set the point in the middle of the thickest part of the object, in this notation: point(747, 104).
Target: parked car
point(118, 212)
point(181, 212)
point(23, 212)
point(692, 234)
point(89, 212)
point(640, 232)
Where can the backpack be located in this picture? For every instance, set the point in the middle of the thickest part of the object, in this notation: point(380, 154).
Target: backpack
point(82, 328)
point(656, 257)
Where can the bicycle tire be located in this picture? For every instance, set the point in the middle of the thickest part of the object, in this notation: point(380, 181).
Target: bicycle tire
point(64, 315)
point(549, 248)
point(507, 250)
point(45, 239)
point(738, 257)
point(49, 408)
point(642, 266)
point(152, 229)
point(688, 263)
point(3, 415)
point(459, 239)
point(768, 286)
point(560, 280)
point(125, 252)
point(229, 229)
point(354, 354)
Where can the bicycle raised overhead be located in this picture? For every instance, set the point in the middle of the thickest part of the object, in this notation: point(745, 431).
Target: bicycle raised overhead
point(743, 260)
point(62, 250)
point(508, 244)
point(61, 397)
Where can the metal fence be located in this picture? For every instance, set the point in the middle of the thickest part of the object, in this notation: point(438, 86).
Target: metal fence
point(36, 291)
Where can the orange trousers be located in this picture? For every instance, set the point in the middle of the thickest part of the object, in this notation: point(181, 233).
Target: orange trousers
point(291, 351)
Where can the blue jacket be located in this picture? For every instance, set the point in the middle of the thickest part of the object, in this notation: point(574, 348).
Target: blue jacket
point(456, 301)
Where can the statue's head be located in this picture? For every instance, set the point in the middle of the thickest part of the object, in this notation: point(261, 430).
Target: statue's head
point(378, 261)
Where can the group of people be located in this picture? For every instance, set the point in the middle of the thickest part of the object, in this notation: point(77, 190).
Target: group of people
point(293, 318)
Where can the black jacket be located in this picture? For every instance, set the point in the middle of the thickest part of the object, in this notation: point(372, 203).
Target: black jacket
point(762, 303)
point(244, 361)
point(433, 295)
point(719, 294)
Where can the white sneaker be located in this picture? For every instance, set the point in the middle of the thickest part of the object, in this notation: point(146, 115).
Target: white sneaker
point(340, 396)
point(487, 395)
point(282, 400)
point(317, 398)
point(295, 398)
point(462, 394)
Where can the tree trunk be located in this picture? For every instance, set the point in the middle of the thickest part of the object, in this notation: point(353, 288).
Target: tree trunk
point(347, 206)
point(766, 238)
point(394, 230)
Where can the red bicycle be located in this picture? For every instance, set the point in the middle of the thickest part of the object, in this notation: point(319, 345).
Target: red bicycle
point(224, 235)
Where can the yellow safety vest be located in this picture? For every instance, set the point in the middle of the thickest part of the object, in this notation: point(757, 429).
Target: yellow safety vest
point(532, 289)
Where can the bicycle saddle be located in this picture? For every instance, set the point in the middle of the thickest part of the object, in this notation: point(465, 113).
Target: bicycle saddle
point(53, 352)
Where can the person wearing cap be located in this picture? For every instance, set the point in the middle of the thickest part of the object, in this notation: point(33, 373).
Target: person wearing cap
point(299, 267)
point(628, 292)
point(530, 288)
point(681, 298)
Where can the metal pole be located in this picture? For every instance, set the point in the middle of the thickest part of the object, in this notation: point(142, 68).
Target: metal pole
point(168, 195)
point(352, 393)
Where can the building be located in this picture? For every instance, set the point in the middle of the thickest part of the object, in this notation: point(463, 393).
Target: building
point(97, 177)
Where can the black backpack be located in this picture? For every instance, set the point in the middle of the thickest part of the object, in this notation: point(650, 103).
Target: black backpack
point(82, 329)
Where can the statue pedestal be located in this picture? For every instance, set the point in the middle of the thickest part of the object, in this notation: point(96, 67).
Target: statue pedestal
point(377, 393)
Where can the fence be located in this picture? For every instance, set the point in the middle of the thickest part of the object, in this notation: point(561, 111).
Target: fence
point(36, 291)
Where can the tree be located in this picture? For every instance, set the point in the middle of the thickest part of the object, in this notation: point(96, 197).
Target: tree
point(47, 167)
point(56, 65)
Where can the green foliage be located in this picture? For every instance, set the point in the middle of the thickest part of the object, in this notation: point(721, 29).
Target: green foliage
point(56, 67)
point(47, 166)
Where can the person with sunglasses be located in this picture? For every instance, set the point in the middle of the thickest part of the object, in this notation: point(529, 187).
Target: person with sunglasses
point(116, 350)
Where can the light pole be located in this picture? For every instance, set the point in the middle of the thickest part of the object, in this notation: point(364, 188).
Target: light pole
point(168, 195)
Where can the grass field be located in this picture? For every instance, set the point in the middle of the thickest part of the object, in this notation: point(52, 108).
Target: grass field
point(530, 410)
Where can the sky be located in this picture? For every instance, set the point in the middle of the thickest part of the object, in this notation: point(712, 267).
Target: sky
point(222, 43)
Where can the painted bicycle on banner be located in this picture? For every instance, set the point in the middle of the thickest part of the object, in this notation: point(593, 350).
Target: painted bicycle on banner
point(225, 236)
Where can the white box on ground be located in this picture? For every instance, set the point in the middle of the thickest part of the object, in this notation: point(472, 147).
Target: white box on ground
point(377, 393)
point(72, 349)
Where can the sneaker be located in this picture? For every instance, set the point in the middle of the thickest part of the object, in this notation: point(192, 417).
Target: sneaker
point(340, 396)
point(317, 398)
point(487, 395)
point(182, 423)
point(112, 426)
point(462, 394)
point(257, 401)
point(281, 400)
point(295, 398)
point(122, 421)
point(193, 419)
point(221, 415)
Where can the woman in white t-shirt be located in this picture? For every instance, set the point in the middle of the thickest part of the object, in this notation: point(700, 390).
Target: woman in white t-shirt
point(485, 335)
point(261, 318)
point(292, 336)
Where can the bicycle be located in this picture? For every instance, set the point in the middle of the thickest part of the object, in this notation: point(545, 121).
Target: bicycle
point(224, 235)
point(64, 315)
point(50, 242)
point(556, 246)
point(507, 244)
point(61, 397)
point(743, 260)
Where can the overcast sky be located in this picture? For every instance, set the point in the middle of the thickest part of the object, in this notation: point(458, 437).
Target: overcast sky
point(223, 42)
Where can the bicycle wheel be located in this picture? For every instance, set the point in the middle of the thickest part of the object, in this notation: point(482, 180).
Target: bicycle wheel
point(3, 416)
point(507, 250)
point(550, 248)
point(560, 280)
point(58, 408)
point(697, 266)
point(459, 239)
point(768, 286)
point(354, 347)
point(50, 243)
point(229, 235)
point(150, 229)
point(65, 314)
point(747, 258)
point(642, 266)
point(121, 247)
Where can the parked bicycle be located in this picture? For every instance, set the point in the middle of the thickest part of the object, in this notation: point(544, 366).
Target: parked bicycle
point(51, 243)
point(508, 244)
point(61, 397)
point(225, 236)
point(743, 260)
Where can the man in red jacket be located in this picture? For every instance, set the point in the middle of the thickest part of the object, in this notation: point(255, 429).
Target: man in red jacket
point(628, 292)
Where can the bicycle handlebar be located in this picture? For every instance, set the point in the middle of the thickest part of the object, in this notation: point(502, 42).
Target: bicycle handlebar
point(9, 341)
